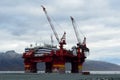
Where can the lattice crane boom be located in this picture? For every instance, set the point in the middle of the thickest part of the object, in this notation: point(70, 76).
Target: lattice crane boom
point(75, 29)
point(52, 26)
point(83, 44)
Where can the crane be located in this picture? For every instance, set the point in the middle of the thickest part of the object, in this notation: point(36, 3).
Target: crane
point(79, 44)
point(62, 41)
point(75, 29)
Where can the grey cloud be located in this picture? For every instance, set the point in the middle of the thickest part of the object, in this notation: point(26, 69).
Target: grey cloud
point(24, 21)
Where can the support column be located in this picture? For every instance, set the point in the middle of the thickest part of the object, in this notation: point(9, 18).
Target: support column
point(58, 65)
point(27, 65)
point(30, 67)
point(80, 64)
point(48, 67)
point(74, 67)
point(34, 67)
point(80, 67)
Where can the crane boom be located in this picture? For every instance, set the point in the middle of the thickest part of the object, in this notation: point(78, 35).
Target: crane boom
point(52, 26)
point(83, 44)
point(76, 31)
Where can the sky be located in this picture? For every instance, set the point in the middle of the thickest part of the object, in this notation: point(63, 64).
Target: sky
point(23, 22)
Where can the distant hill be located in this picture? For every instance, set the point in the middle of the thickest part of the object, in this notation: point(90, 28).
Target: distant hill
point(100, 66)
point(12, 61)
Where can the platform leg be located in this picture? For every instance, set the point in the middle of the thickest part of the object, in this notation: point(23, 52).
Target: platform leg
point(48, 67)
point(74, 67)
point(80, 68)
point(30, 67)
point(58, 67)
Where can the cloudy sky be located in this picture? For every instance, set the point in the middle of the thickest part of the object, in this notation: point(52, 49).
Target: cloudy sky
point(23, 22)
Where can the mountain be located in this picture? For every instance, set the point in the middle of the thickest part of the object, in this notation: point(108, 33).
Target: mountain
point(12, 61)
point(100, 66)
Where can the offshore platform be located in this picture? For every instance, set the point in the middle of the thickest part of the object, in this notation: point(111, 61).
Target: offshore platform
point(53, 57)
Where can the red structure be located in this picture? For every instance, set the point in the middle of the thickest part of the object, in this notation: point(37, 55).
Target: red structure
point(53, 57)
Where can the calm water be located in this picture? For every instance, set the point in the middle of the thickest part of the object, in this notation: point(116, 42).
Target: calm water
point(92, 72)
point(95, 75)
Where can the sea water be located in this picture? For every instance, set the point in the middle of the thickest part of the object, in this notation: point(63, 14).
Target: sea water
point(95, 75)
point(91, 72)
